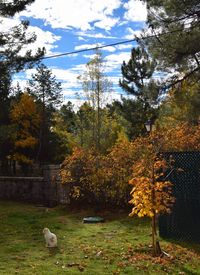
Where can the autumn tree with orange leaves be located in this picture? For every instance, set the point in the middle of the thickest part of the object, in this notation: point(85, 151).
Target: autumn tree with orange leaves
point(100, 179)
point(94, 177)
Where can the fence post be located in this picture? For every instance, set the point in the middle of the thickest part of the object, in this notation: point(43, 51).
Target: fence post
point(51, 178)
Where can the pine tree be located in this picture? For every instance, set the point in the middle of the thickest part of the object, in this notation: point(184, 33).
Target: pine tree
point(47, 91)
point(12, 42)
point(44, 86)
point(176, 45)
point(137, 80)
point(9, 8)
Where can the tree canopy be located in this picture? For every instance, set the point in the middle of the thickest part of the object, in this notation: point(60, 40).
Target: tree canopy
point(175, 24)
point(14, 57)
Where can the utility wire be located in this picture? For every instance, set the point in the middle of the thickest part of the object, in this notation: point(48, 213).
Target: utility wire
point(112, 44)
point(89, 49)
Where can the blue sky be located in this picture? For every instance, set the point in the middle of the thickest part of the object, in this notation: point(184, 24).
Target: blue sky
point(64, 26)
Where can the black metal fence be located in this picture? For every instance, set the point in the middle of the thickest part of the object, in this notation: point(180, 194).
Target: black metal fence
point(184, 221)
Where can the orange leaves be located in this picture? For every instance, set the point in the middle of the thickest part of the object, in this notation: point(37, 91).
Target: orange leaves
point(24, 112)
point(180, 137)
point(104, 178)
point(150, 195)
point(26, 142)
point(150, 198)
point(22, 158)
point(183, 137)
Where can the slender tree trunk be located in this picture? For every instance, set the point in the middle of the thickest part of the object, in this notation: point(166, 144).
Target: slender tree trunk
point(81, 131)
point(155, 243)
point(98, 115)
point(93, 121)
point(41, 136)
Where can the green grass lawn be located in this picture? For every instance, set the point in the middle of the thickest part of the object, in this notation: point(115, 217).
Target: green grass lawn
point(120, 245)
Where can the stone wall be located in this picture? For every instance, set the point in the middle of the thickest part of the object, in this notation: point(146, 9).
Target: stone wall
point(46, 190)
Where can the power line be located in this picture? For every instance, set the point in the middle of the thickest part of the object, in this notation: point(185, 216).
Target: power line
point(89, 49)
point(112, 44)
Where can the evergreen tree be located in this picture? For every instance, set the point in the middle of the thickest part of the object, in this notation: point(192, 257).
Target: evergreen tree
point(137, 80)
point(44, 86)
point(12, 43)
point(133, 113)
point(47, 91)
point(176, 45)
point(9, 8)
point(182, 105)
point(68, 115)
point(85, 125)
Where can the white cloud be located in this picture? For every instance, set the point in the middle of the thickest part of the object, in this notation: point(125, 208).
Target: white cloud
point(80, 14)
point(130, 33)
point(80, 38)
point(93, 34)
point(114, 80)
point(86, 46)
point(19, 80)
point(124, 46)
point(114, 61)
point(91, 46)
point(90, 56)
point(44, 38)
point(136, 11)
point(109, 49)
point(106, 23)
point(7, 23)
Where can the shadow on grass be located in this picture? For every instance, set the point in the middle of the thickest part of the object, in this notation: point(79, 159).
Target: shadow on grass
point(135, 222)
point(53, 250)
point(195, 247)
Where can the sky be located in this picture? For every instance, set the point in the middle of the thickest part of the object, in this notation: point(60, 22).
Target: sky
point(68, 25)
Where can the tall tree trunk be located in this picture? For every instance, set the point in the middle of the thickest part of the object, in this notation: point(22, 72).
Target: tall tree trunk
point(155, 243)
point(41, 135)
point(98, 115)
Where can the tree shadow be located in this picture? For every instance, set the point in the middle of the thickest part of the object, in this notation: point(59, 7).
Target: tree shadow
point(191, 245)
point(53, 250)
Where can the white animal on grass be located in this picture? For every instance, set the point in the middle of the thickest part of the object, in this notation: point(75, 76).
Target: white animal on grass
point(50, 238)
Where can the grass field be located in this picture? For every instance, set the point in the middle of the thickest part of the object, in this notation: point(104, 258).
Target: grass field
point(120, 245)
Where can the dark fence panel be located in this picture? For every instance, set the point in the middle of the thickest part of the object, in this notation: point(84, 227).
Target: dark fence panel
point(184, 221)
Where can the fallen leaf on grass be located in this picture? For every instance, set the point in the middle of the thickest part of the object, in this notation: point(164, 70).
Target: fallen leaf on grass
point(121, 264)
point(99, 253)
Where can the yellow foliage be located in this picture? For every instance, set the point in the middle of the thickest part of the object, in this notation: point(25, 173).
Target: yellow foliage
point(104, 178)
point(151, 193)
point(26, 142)
point(21, 158)
point(183, 137)
point(25, 117)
